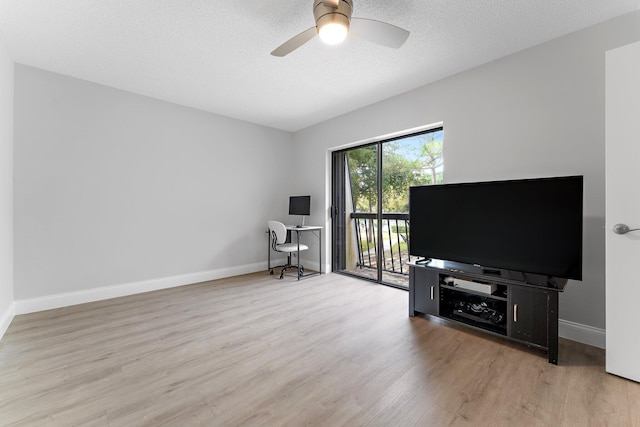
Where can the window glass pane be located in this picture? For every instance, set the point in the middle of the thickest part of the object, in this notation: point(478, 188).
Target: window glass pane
point(362, 205)
point(406, 162)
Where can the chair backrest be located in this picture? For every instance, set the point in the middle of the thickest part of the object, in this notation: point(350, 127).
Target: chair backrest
point(278, 230)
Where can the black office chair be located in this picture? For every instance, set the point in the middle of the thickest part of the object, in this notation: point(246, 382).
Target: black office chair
point(278, 233)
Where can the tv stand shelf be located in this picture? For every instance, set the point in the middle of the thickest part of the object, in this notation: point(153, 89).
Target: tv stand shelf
point(519, 307)
point(495, 295)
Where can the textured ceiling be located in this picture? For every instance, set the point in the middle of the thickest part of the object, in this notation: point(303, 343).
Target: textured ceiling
point(214, 55)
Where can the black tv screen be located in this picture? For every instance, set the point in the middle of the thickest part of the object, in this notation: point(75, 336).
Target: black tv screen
point(528, 225)
point(300, 205)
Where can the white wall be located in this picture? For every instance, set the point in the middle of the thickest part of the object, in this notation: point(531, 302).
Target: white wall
point(536, 113)
point(112, 188)
point(6, 188)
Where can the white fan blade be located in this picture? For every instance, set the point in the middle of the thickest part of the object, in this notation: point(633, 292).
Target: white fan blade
point(378, 32)
point(295, 42)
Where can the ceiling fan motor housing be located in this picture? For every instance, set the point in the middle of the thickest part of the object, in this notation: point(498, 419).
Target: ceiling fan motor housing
point(325, 13)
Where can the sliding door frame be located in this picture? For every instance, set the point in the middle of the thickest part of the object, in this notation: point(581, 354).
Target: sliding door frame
point(338, 206)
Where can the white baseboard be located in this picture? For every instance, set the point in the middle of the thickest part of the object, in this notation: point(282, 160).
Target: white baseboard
point(574, 331)
point(50, 302)
point(582, 333)
point(6, 318)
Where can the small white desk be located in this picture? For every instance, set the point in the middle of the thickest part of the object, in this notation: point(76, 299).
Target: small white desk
point(297, 230)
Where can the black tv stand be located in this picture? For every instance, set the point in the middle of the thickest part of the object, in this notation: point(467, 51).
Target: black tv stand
point(516, 306)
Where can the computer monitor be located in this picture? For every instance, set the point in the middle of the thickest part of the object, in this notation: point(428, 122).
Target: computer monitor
point(300, 205)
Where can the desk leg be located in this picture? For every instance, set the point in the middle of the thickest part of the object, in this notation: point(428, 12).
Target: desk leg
point(298, 242)
point(320, 251)
point(268, 251)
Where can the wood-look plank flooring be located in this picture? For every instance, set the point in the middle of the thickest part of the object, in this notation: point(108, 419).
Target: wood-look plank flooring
point(257, 351)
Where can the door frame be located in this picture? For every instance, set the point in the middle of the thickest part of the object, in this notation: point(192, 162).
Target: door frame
point(338, 202)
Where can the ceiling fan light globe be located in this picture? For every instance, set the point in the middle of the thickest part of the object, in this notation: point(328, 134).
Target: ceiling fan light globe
point(333, 33)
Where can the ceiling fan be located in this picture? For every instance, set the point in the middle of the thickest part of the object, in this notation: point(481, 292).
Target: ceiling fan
point(334, 23)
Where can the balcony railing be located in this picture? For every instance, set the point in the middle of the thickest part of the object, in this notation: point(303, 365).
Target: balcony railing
point(395, 241)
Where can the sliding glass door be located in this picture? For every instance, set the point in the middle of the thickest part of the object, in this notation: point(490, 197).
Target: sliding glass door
point(371, 223)
point(355, 201)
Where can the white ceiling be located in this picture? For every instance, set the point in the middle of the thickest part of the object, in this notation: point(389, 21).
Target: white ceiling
point(215, 55)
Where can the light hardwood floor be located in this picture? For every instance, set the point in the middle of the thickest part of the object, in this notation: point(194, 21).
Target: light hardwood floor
point(257, 351)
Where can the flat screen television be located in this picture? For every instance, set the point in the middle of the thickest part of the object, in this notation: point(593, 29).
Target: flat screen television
point(300, 205)
point(528, 225)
